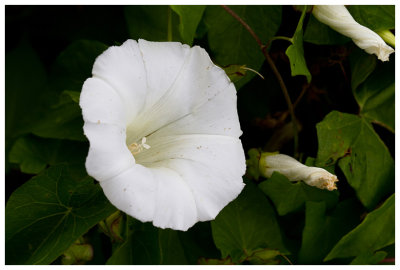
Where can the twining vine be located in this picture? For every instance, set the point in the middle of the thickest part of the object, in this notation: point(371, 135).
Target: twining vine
point(264, 50)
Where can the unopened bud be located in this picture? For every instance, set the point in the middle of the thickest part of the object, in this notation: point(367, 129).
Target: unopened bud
point(296, 171)
point(113, 226)
point(340, 20)
point(79, 252)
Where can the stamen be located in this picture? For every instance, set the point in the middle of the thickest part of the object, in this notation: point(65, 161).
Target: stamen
point(136, 148)
point(144, 143)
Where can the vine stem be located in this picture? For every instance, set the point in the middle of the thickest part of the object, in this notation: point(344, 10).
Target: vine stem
point(264, 50)
point(248, 28)
point(287, 98)
point(169, 18)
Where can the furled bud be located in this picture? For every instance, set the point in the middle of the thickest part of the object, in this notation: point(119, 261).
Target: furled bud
point(339, 19)
point(113, 226)
point(296, 171)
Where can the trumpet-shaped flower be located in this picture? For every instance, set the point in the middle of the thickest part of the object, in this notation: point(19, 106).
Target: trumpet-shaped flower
point(163, 128)
point(340, 20)
point(296, 171)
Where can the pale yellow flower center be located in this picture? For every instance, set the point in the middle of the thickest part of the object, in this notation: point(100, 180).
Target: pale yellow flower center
point(136, 148)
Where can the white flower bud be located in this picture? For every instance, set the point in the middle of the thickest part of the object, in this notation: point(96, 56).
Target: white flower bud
point(296, 171)
point(340, 20)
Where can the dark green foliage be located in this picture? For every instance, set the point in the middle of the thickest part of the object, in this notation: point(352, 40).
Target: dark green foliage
point(230, 43)
point(295, 52)
point(373, 16)
point(289, 197)
point(150, 245)
point(33, 154)
point(365, 160)
point(247, 224)
point(49, 212)
point(322, 230)
point(374, 233)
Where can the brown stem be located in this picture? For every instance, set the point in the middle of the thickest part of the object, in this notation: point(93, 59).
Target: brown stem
point(264, 50)
point(248, 28)
point(287, 98)
point(303, 91)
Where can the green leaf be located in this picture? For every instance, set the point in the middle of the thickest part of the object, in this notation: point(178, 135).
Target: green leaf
point(322, 230)
point(48, 213)
point(264, 256)
point(366, 161)
point(71, 95)
point(150, 245)
point(190, 17)
point(321, 34)
point(63, 118)
point(375, 232)
point(231, 43)
point(141, 247)
point(197, 243)
point(289, 197)
point(295, 52)
point(361, 65)
point(33, 154)
point(151, 22)
point(247, 224)
point(226, 261)
point(61, 122)
point(171, 249)
point(74, 65)
point(25, 79)
point(369, 258)
point(376, 96)
point(375, 17)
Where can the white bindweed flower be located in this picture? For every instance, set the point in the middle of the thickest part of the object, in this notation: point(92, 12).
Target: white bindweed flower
point(340, 19)
point(296, 171)
point(163, 128)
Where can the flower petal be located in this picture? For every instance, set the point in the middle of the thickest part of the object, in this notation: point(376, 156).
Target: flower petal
point(211, 189)
point(222, 153)
point(212, 100)
point(215, 117)
point(201, 100)
point(108, 154)
point(175, 205)
point(211, 165)
point(123, 69)
point(133, 191)
point(153, 194)
point(163, 62)
point(101, 104)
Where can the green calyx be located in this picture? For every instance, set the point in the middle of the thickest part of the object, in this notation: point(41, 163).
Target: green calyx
point(256, 163)
point(388, 37)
